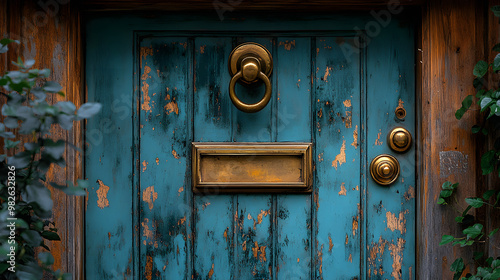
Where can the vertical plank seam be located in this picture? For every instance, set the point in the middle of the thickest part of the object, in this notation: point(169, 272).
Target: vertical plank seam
point(274, 127)
point(314, 217)
point(136, 122)
point(189, 194)
point(363, 159)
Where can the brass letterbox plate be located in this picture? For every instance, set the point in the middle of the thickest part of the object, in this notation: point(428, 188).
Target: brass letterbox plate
point(251, 167)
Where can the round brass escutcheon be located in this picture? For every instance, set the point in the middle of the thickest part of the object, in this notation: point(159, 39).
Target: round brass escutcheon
point(400, 113)
point(250, 50)
point(250, 63)
point(399, 139)
point(384, 169)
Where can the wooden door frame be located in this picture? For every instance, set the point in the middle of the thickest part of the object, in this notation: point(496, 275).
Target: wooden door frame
point(440, 37)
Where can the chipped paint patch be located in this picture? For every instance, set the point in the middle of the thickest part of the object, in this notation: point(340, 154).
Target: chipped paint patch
point(171, 107)
point(259, 252)
point(375, 255)
point(144, 166)
point(320, 157)
point(146, 232)
point(149, 195)
point(145, 75)
point(330, 244)
point(342, 190)
point(181, 189)
point(355, 225)
point(355, 138)
point(410, 193)
point(397, 258)
point(400, 104)
point(377, 141)
point(148, 271)
point(327, 73)
point(144, 52)
point(320, 258)
point(157, 161)
point(205, 205)
point(348, 114)
point(340, 158)
point(202, 49)
point(102, 195)
point(145, 97)
point(396, 223)
point(289, 45)
point(175, 154)
point(211, 272)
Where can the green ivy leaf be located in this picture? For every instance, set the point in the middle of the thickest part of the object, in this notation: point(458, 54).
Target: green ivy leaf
point(485, 103)
point(480, 69)
point(496, 48)
point(496, 63)
point(52, 86)
point(473, 231)
point(459, 219)
point(458, 265)
point(475, 129)
point(50, 235)
point(478, 255)
point(488, 162)
point(441, 201)
point(88, 110)
point(46, 258)
point(496, 10)
point(488, 194)
point(478, 83)
point(475, 202)
point(446, 239)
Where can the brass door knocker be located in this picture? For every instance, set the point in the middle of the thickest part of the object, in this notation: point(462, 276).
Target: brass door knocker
point(250, 63)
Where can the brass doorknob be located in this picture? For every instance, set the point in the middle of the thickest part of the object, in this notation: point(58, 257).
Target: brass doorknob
point(399, 140)
point(248, 64)
point(384, 169)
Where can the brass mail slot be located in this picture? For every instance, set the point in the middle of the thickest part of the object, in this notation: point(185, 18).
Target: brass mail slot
point(252, 167)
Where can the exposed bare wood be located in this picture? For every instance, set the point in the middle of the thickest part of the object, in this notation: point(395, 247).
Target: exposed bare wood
point(51, 36)
point(447, 150)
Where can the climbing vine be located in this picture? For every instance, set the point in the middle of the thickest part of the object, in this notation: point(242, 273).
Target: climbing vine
point(488, 99)
point(25, 201)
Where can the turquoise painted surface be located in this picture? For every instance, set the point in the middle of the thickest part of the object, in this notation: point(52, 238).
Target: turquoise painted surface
point(167, 87)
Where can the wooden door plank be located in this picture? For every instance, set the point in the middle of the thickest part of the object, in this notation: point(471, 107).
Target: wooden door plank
point(214, 213)
point(109, 226)
point(293, 212)
point(390, 210)
point(165, 67)
point(254, 228)
point(338, 185)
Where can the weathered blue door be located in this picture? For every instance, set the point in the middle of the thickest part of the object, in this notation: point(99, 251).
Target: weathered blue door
point(163, 83)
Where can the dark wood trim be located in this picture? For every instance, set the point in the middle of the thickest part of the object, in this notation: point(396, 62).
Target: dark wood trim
point(239, 5)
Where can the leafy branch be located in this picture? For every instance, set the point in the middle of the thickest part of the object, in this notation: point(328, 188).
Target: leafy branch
point(25, 199)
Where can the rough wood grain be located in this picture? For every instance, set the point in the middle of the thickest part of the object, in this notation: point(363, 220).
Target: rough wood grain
point(447, 149)
point(51, 36)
